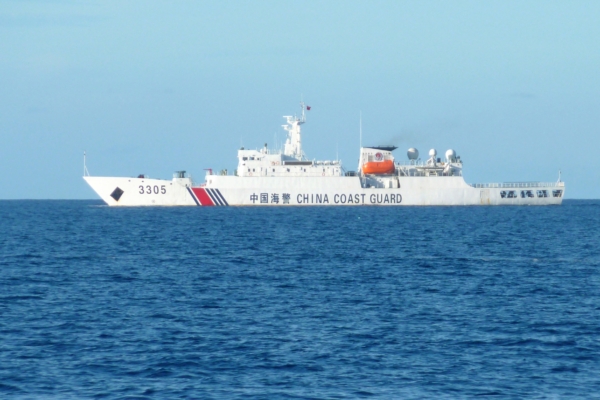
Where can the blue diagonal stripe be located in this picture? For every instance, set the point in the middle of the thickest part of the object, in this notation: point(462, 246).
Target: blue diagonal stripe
point(214, 197)
point(193, 197)
point(221, 196)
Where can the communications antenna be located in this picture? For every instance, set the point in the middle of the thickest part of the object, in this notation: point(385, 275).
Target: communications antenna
point(85, 170)
point(360, 123)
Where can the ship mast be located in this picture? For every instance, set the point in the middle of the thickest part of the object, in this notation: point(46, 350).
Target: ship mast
point(293, 144)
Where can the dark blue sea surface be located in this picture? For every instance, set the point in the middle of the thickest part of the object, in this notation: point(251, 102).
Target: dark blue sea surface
point(299, 303)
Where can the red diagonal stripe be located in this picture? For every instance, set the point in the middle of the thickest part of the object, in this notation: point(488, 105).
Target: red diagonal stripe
point(203, 197)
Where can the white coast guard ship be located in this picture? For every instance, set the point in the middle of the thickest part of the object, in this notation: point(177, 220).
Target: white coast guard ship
point(281, 178)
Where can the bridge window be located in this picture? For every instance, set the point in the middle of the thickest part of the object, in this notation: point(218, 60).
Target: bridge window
point(557, 193)
point(503, 194)
point(245, 158)
point(511, 194)
point(542, 193)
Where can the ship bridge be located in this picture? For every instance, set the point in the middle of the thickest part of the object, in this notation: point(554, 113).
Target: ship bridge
point(289, 162)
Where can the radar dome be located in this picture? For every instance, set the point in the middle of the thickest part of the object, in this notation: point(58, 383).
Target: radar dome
point(432, 153)
point(450, 155)
point(412, 153)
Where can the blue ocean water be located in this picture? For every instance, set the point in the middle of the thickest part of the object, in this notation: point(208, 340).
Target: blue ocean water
point(299, 303)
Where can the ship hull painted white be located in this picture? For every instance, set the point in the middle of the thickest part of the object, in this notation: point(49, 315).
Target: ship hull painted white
point(311, 191)
point(276, 178)
point(175, 191)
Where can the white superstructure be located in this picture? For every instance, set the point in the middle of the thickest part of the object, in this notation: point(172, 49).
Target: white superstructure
point(265, 177)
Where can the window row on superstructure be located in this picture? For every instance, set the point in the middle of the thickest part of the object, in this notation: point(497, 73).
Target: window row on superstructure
point(512, 194)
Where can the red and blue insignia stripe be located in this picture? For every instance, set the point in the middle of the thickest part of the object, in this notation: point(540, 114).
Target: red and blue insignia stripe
point(217, 196)
point(208, 197)
point(193, 197)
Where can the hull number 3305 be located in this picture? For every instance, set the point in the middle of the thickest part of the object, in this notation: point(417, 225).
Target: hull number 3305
point(152, 189)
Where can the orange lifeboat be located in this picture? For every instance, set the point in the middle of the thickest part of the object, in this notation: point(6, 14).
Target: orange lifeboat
point(378, 167)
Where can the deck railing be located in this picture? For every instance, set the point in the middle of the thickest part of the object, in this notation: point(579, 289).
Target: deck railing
point(518, 185)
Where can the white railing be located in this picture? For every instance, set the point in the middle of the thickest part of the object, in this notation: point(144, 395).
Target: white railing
point(518, 185)
point(426, 173)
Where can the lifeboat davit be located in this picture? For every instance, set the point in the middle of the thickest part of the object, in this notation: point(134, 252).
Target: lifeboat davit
point(378, 167)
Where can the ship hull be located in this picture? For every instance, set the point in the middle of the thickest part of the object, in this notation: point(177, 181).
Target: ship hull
point(319, 191)
point(116, 191)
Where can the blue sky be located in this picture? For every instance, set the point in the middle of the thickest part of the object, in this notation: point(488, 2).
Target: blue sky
point(157, 86)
